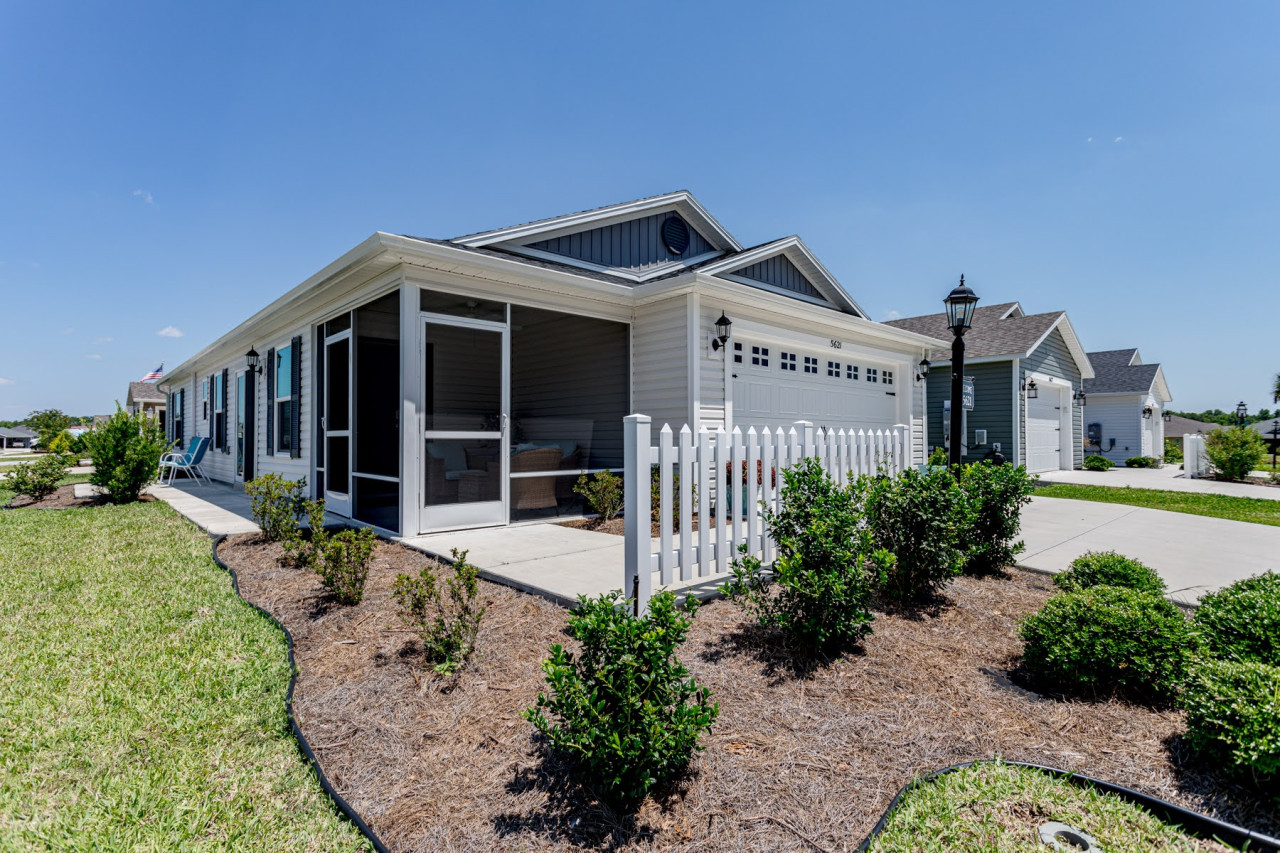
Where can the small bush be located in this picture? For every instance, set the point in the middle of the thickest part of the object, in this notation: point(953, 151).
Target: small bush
point(1142, 462)
point(78, 447)
point(1233, 716)
point(1241, 622)
point(303, 548)
point(36, 480)
point(1234, 452)
point(625, 711)
point(448, 628)
point(1098, 463)
point(603, 493)
point(826, 571)
point(61, 443)
point(1108, 639)
point(921, 519)
point(276, 504)
point(1172, 451)
point(655, 496)
point(939, 457)
point(1107, 568)
point(342, 561)
point(126, 453)
point(997, 494)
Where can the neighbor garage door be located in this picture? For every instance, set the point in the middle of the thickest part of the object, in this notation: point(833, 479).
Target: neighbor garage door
point(775, 386)
point(1044, 437)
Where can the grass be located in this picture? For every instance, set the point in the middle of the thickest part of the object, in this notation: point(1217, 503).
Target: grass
point(142, 702)
point(995, 807)
point(1253, 510)
point(6, 495)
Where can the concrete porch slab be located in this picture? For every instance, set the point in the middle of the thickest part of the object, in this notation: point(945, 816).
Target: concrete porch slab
point(216, 508)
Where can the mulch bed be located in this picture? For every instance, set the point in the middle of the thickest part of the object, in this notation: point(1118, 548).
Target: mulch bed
point(802, 757)
point(63, 498)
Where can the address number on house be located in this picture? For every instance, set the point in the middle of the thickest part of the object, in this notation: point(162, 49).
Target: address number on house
point(837, 344)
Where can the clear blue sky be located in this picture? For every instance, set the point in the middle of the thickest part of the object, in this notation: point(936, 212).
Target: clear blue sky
point(166, 169)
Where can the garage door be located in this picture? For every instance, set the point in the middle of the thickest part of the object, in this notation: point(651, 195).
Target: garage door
point(1044, 448)
point(776, 386)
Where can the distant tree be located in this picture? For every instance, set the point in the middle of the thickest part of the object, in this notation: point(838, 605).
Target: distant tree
point(1275, 389)
point(47, 424)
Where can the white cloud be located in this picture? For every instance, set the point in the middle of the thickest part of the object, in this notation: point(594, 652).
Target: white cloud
point(103, 340)
point(170, 332)
point(1119, 139)
point(144, 195)
point(94, 356)
point(4, 381)
point(892, 315)
point(1090, 139)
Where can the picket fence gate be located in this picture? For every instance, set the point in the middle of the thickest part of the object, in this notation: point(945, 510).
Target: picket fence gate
point(712, 470)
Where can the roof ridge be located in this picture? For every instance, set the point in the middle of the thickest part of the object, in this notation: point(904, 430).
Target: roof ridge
point(582, 212)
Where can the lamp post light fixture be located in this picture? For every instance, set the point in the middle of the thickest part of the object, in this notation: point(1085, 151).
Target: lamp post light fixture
point(723, 325)
point(1029, 388)
point(1242, 412)
point(1079, 397)
point(922, 369)
point(253, 361)
point(1147, 412)
point(961, 303)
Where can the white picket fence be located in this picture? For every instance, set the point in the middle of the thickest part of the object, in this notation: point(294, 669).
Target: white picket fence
point(693, 473)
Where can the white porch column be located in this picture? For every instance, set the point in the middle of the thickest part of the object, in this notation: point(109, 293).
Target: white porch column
point(636, 443)
point(410, 391)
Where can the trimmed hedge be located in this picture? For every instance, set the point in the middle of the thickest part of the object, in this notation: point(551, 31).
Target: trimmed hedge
point(1142, 462)
point(1233, 715)
point(997, 494)
point(1241, 622)
point(1107, 568)
point(1098, 463)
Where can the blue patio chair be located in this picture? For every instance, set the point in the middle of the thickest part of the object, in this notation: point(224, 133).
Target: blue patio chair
point(188, 462)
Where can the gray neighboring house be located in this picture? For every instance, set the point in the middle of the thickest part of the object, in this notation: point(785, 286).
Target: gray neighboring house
point(1027, 370)
point(18, 436)
point(1125, 406)
point(149, 398)
point(1177, 426)
point(1270, 432)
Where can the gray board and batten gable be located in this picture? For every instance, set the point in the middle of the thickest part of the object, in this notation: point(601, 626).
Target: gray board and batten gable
point(635, 245)
point(780, 272)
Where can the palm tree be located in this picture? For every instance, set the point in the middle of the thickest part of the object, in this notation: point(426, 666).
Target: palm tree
point(1275, 391)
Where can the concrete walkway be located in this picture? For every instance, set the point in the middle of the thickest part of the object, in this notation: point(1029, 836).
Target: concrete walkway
point(1168, 478)
point(1193, 553)
point(216, 508)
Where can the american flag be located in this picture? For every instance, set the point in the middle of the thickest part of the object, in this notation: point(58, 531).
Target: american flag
point(154, 375)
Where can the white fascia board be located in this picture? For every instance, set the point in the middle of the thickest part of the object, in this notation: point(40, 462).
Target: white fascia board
point(799, 254)
point(1081, 358)
point(1015, 310)
point(653, 272)
point(556, 226)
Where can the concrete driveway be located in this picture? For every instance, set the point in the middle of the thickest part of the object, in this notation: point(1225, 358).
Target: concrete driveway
point(1169, 478)
point(1194, 554)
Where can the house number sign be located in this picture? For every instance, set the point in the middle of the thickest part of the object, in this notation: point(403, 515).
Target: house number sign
point(836, 344)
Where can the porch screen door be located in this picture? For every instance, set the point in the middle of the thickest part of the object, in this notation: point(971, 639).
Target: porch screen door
point(466, 401)
point(337, 423)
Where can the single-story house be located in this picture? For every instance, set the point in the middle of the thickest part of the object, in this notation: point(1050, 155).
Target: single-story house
point(425, 384)
point(1177, 426)
point(1125, 403)
point(17, 436)
point(1027, 371)
point(1270, 432)
point(150, 398)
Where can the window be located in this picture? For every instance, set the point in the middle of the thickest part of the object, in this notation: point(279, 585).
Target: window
point(737, 353)
point(760, 356)
point(219, 415)
point(833, 369)
point(851, 371)
point(887, 377)
point(810, 365)
point(204, 399)
point(871, 375)
point(282, 397)
point(787, 361)
point(179, 418)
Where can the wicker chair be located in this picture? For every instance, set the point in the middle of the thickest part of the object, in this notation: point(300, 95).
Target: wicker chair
point(534, 492)
point(564, 485)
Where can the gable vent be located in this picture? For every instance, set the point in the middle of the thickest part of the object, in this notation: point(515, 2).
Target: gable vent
point(675, 235)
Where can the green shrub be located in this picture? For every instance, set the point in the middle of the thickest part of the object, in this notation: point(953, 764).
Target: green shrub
point(78, 447)
point(303, 548)
point(1142, 462)
point(625, 711)
point(126, 453)
point(448, 627)
point(1108, 639)
point(1242, 622)
point(603, 493)
point(997, 494)
point(276, 504)
point(61, 444)
point(1234, 452)
point(922, 519)
point(1107, 568)
point(1096, 462)
point(1233, 716)
point(1172, 451)
point(655, 496)
point(826, 570)
point(36, 480)
point(939, 457)
point(342, 561)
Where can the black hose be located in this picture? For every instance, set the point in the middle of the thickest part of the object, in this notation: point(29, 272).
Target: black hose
point(343, 806)
point(1201, 826)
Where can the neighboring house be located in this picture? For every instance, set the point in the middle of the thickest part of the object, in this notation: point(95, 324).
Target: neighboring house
point(18, 436)
point(1125, 403)
point(1026, 371)
point(149, 398)
point(1177, 426)
point(423, 384)
point(1270, 432)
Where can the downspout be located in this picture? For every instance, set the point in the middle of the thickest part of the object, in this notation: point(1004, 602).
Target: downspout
point(1018, 424)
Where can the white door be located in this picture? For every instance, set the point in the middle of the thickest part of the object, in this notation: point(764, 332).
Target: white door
point(1044, 430)
point(775, 386)
point(336, 423)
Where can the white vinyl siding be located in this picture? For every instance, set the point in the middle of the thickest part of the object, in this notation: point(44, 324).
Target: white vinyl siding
point(1121, 419)
point(660, 361)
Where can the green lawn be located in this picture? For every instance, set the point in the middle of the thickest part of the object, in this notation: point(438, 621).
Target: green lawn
point(6, 495)
point(998, 808)
point(141, 706)
point(1255, 510)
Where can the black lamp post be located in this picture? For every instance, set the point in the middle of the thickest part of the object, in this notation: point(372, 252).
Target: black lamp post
point(1242, 412)
point(251, 360)
point(1275, 441)
point(961, 304)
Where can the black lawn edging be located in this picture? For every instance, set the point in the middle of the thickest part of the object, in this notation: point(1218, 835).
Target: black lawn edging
point(1194, 823)
point(343, 806)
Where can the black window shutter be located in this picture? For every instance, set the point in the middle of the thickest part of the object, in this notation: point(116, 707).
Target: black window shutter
point(271, 402)
point(180, 426)
point(226, 445)
point(168, 424)
point(295, 405)
point(208, 407)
